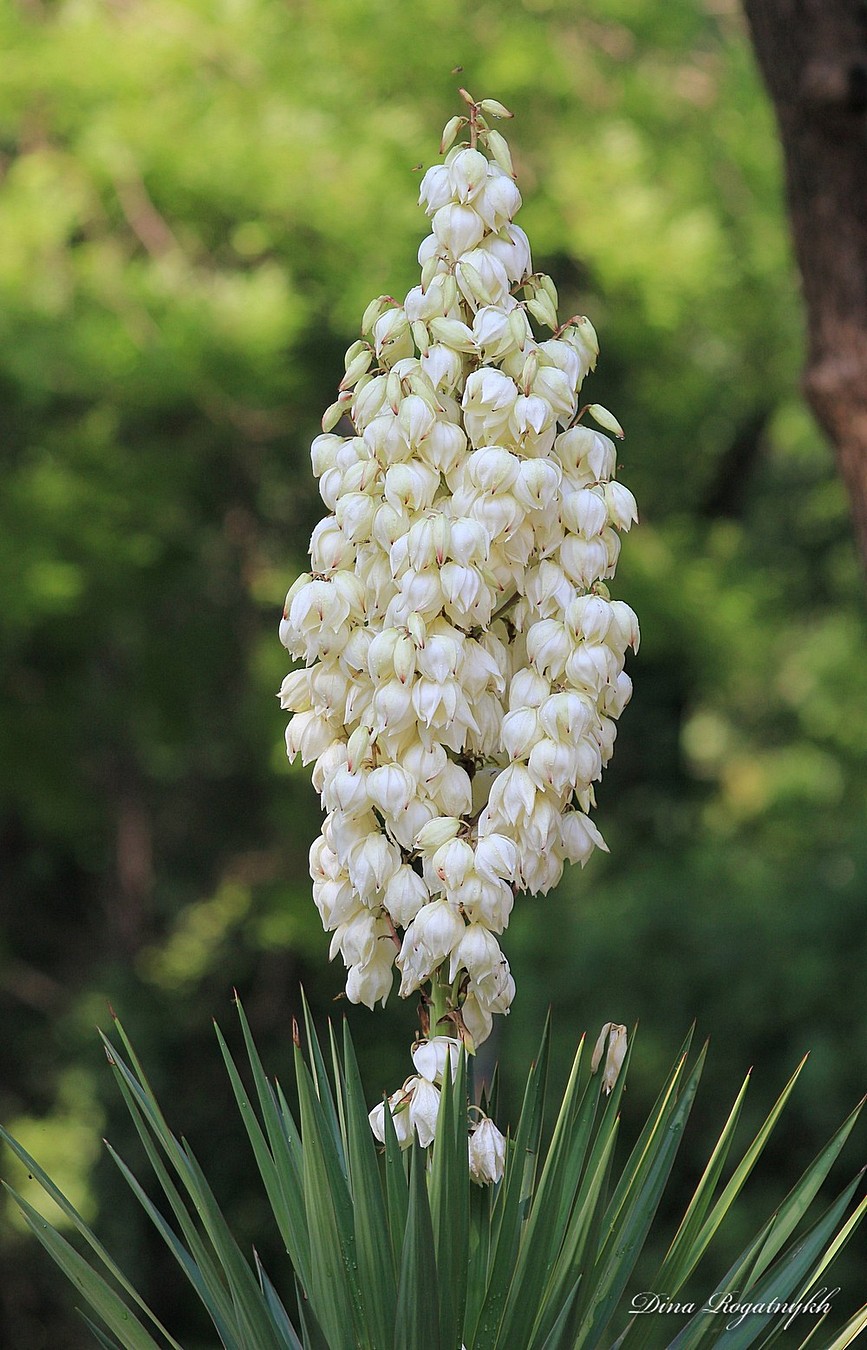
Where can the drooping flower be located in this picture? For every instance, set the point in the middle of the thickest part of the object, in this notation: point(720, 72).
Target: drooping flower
point(487, 1153)
point(614, 1036)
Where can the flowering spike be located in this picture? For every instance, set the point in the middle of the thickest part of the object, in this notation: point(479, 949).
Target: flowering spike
point(463, 662)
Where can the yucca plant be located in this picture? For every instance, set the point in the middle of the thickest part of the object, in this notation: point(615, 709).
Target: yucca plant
point(464, 672)
point(391, 1249)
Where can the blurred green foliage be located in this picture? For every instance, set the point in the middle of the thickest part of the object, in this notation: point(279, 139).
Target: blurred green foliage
point(198, 199)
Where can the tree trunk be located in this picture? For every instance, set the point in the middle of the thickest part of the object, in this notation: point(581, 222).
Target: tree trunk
point(813, 55)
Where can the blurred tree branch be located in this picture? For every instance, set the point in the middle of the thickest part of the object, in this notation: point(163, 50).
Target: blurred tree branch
point(813, 56)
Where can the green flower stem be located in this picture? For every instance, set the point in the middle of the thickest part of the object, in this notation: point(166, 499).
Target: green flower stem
point(438, 1003)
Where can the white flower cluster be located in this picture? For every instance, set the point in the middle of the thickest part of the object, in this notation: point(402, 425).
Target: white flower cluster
point(463, 659)
point(414, 1109)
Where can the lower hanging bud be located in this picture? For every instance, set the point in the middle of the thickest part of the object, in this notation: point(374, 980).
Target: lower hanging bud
point(487, 1150)
point(616, 1037)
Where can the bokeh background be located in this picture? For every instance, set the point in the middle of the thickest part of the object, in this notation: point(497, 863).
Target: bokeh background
point(198, 199)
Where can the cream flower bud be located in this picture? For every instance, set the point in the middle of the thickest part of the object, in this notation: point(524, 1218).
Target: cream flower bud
point(566, 716)
point(469, 541)
point(457, 228)
point(358, 748)
point(589, 617)
point(323, 452)
point(478, 952)
point(437, 833)
point(418, 592)
point(453, 333)
point(493, 469)
point(398, 1107)
point(439, 656)
point(487, 902)
point(621, 505)
point(406, 826)
point(307, 735)
point(294, 693)
point(346, 791)
point(553, 764)
point(371, 863)
point(538, 484)
point(392, 707)
point(479, 669)
point(605, 419)
point(425, 763)
point(391, 788)
point(482, 279)
point(487, 1154)
point(330, 548)
point(411, 486)
point(579, 836)
point(477, 1020)
point(371, 981)
point(584, 512)
point(548, 647)
point(435, 188)
point(513, 795)
point(617, 1045)
point(355, 939)
point(443, 707)
point(541, 871)
point(391, 335)
point(497, 990)
point(424, 1103)
point(548, 589)
point(452, 862)
point(416, 419)
point(554, 386)
point(428, 940)
point(375, 310)
point(590, 666)
point(500, 199)
point(452, 790)
point(494, 331)
point(496, 857)
point(422, 305)
point(561, 354)
point(468, 174)
point(520, 732)
point(331, 758)
point(461, 585)
point(587, 452)
point(531, 414)
point(625, 622)
point(617, 697)
point(443, 365)
point(588, 760)
point(445, 446)
point(528, 689)
point(582, 336)
point(391, 655)
point(405, 895)
point(511, 246)
point(336, 901)
point(323, 861)
point(583, 560)
point(431, 1057)
point(489, 389)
